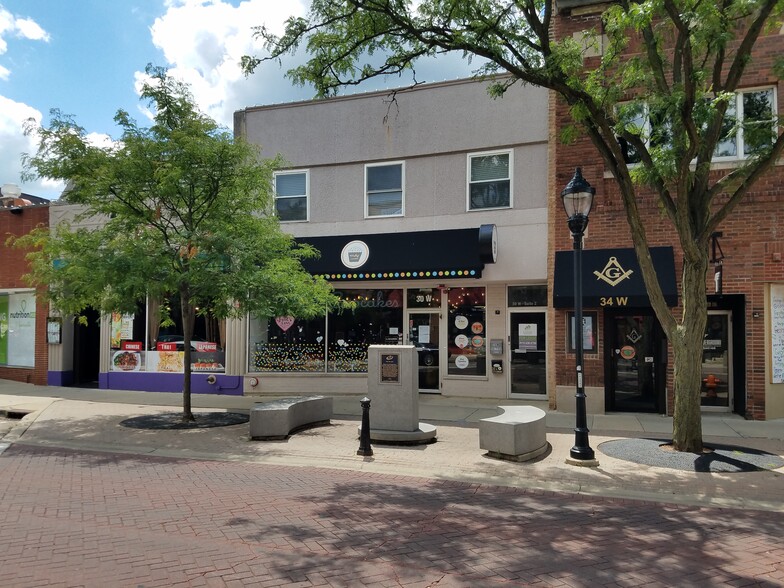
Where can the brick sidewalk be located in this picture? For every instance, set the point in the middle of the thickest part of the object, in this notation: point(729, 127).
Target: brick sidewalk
point(100, 519)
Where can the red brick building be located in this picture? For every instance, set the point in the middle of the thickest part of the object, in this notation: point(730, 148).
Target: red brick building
point(628, 364)
point(24, 352)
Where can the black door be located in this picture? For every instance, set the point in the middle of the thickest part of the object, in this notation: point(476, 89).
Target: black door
point(634, 367)
point(87, 350)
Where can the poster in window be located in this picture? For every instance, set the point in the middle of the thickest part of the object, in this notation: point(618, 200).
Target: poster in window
point(3, 329)
point(777, 333)
point(589, 332)
point(54, 330)
point(122, 329)
point(21, 329)
point(526, 336)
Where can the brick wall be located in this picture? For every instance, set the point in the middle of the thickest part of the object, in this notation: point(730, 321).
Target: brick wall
point(752, 242)
point(13, 266)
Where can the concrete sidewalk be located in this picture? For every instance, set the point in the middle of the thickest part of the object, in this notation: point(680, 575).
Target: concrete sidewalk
point(89, 420)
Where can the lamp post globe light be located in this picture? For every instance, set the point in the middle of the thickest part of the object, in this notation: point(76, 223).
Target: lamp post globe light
point(577, 201)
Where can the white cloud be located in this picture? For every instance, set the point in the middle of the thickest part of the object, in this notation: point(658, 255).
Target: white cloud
point(29, 29)
point(203, 41)
point(25, 28)
point(6, 25)
point(13, 143)
point(100, 140)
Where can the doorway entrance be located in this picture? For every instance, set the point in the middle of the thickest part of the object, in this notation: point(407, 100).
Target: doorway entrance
point(527, 355)
point(87, 345)
point(424, 334)
point(634, 368)
point(716, 392)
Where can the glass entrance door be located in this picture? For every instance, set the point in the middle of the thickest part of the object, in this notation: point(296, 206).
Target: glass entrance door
point(634, 378)
point(527, 365)
point(423, 333)
point(716, 393)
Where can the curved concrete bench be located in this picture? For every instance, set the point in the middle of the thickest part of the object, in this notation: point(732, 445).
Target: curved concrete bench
point(519, 434)
point(277, 419)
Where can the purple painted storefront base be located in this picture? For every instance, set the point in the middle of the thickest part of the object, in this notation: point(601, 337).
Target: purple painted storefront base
point(160, 382)
point(59, 378)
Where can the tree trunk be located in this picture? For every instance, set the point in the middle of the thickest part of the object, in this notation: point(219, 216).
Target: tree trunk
point(686, 344)
point(187, 334)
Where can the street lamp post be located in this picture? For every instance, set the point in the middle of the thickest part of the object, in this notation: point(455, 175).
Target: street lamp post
point(577, 200)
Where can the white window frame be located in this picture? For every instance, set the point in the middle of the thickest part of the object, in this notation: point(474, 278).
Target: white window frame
point(402, 212)
point(469, 157)
point(740, 145)
point(306, 195)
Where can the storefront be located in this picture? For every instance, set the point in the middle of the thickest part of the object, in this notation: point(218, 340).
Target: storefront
point(132, 351)
point(426, 289)
point(24, 351)
point(625, 347)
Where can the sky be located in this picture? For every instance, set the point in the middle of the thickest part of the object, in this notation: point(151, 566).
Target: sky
point(86, 58)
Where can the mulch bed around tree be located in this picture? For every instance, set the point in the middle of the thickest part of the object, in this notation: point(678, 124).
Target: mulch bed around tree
point(173, 420)
point(718, 458)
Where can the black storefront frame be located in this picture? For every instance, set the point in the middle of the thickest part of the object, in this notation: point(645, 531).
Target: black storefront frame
point(736, 305)
point(660, 358)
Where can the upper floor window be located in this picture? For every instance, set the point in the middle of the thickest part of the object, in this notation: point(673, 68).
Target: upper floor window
point(654, 127)
point(489, 180)
point(291, 195)
point(384, 193)
point(749, 125)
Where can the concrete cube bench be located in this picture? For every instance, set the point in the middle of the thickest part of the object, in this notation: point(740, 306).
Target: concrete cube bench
point(518, 434)
point(277, 419)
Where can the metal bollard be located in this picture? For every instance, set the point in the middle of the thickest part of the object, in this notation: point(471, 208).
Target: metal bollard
point(364, 434)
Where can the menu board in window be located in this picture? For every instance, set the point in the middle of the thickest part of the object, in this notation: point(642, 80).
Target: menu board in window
point(777, 333)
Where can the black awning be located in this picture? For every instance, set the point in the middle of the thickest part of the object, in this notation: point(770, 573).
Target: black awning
point(612, 278)
point(453, 253)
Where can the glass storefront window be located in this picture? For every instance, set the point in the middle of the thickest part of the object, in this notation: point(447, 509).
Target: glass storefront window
point(17, 329)
point(286, 344)
point(716, 362)
point(467, 334)
point(335, 344)
point(524, 296)
point(376, 319)
point(139, 343)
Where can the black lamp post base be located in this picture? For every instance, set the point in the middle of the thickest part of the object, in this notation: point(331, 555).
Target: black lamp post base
point(582, 456)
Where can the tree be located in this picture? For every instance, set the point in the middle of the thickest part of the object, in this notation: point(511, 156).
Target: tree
point(677, 62)
point(173, 209)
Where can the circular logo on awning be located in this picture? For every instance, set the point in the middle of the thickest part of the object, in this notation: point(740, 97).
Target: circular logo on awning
point(355, 254)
